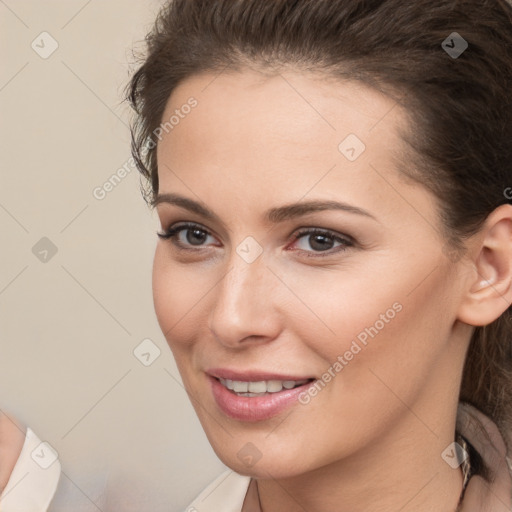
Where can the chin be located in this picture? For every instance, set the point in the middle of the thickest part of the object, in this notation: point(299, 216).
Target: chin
point(278, 469)
point(250, 456)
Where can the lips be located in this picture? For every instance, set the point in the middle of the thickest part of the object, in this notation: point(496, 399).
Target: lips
point(255, 396)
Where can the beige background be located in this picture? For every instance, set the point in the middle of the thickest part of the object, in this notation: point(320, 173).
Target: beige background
point(127, 436)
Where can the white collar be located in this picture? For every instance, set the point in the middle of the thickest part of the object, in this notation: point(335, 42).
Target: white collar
point(34, 479)
point(225, 494)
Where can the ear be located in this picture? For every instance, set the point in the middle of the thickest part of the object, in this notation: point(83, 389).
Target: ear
point(488, 290)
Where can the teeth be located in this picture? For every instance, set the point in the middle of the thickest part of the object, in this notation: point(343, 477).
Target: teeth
point(240, 387)
point(257, 387)
point(273, 386)
point(260, 388)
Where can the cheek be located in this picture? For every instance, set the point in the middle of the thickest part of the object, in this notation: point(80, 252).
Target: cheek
point(340, 306)
point(175, 297)
point(357, 324)
point(162, 281)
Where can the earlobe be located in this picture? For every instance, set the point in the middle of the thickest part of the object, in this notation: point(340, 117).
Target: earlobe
point(489, 289)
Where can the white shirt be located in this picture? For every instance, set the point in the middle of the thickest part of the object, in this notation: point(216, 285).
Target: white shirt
point(225, 494)
point(34, 479)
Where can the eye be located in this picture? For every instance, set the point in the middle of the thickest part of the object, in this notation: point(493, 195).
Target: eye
point(195, 235)
point(322, 241)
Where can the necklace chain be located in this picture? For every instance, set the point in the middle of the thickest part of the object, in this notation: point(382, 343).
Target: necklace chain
point(466, 465)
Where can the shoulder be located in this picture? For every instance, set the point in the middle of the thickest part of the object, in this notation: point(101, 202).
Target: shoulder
point(225, 494)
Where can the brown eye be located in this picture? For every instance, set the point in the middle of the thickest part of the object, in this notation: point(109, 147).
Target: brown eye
point(195, 235)
point(322, 241)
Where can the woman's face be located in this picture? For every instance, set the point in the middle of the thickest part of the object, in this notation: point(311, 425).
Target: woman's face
point(367, 306)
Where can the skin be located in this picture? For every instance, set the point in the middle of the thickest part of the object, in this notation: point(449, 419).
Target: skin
point(12, 438)
point(372, 439)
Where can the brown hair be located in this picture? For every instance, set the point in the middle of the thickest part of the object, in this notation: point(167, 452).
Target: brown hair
point(459, 105)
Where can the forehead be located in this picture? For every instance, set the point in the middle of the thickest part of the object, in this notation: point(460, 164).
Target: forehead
point(283, 107)
point(289, 135)
point(246, 115)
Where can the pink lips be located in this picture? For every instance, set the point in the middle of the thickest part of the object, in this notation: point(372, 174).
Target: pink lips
point(258, 408)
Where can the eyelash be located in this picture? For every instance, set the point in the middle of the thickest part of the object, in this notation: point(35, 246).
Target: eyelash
point(170, 234)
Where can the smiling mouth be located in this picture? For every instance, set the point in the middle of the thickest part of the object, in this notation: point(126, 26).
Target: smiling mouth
point(260, 388)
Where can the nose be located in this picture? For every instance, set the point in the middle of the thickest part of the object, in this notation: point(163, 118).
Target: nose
point(245, 302)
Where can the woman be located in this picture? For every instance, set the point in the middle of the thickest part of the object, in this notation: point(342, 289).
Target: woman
point(333, 275)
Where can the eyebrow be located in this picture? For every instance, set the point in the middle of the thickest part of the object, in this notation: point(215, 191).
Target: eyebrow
point(273, 215)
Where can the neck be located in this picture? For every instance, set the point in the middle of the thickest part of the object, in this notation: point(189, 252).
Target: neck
point(404, 471)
